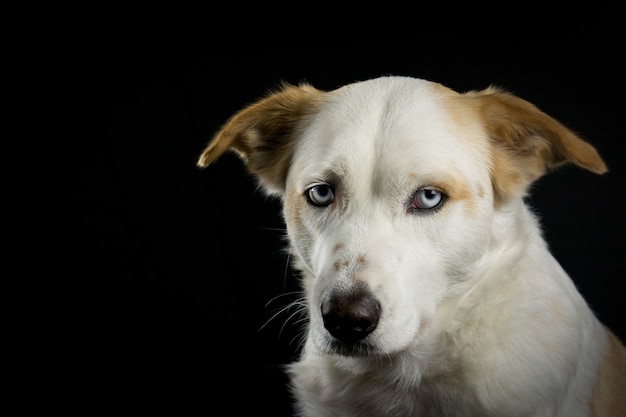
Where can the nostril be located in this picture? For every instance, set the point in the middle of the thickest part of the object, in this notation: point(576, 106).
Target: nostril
point(351, 316)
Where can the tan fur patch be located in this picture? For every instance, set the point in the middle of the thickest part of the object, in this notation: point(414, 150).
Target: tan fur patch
point(458, 189)
point(609, 397)
point(340, 263)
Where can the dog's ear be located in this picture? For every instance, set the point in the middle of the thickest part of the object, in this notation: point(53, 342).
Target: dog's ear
point(528, 142)
point(263, 134)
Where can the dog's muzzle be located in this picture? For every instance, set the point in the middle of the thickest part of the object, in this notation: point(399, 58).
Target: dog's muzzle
point(351, 315)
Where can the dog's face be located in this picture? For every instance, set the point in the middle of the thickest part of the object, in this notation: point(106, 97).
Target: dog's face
point(388, 198)
point(394, 192)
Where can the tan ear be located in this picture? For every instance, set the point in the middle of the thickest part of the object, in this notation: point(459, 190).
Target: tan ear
point(263, 134)
point(528, 142)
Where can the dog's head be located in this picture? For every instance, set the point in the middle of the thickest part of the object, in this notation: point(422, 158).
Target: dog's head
point(394, 190)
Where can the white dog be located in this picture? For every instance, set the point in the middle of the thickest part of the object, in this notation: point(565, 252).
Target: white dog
point(429, 288)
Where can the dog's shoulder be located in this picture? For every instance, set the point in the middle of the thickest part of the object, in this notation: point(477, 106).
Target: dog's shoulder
point(609, 397)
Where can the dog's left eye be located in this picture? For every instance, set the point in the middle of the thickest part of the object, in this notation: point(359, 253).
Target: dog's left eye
point(427, 199)
point(320, 195)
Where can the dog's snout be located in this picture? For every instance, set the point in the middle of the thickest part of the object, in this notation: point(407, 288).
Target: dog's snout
point(351, 316)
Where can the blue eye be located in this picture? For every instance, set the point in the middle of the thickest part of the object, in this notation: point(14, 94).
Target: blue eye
point(320, 195)
point(427, 199)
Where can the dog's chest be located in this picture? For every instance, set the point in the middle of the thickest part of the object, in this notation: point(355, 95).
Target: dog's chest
point(389, 390)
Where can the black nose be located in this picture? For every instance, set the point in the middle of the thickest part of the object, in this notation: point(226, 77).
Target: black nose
point(351, 315)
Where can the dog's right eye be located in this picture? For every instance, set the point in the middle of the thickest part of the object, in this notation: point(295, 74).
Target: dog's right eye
point(320, 195)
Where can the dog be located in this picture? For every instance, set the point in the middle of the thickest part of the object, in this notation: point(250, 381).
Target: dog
point(429, 288)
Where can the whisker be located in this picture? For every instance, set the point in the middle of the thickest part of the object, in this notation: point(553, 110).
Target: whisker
point(279, 296)
point(301, 337)
point(280, 311)
point(286, 269)
point(273, 229)
point(298, 311)
point(300, 307)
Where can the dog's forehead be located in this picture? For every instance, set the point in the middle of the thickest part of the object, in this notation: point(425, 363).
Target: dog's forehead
point(400, 125)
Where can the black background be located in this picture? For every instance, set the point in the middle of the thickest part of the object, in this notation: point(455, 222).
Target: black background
point(191, 260)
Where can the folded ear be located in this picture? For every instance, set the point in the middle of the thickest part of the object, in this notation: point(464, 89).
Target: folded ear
point(528, 142)
point(263, 134)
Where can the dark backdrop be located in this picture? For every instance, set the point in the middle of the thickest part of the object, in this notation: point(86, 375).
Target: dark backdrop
point(192, 260)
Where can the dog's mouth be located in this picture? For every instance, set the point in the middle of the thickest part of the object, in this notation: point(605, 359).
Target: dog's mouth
point(339, 347)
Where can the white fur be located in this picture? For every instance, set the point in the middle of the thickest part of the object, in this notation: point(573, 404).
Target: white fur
point(476, 316)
